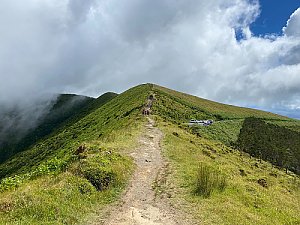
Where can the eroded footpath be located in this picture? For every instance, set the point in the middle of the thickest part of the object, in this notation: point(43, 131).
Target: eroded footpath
point(139, 204)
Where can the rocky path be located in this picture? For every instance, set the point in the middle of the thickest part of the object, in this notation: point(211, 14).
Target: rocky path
point(139, 205)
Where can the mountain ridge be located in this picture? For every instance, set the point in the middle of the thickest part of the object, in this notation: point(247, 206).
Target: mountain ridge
point(65, 108)
point(90, 157)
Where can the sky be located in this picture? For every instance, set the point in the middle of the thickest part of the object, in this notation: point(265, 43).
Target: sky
point(241, 52)
point(273, 16)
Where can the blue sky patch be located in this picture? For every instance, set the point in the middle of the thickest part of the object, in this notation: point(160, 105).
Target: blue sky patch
point(273, 17)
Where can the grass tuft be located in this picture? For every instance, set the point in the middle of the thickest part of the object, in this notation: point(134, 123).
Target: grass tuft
point(209, 180)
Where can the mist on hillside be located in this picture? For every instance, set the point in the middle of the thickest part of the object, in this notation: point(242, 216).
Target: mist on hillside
point(19, 118)
point(91, 47)
point(23, 124)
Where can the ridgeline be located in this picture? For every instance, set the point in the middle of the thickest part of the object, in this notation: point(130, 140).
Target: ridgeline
point(242, 169)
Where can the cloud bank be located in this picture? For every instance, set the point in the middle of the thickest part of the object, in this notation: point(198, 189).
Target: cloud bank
point(92, 46)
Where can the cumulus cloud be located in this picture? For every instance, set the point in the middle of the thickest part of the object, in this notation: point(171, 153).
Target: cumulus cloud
point(293, 24)
point(93, 46)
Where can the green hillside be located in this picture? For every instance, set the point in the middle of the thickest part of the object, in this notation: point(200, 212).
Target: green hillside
point(67, 109)
point(83, 164)
point(103, 120)
point(262, 134)
point(217, 181)
point(218, 184)
point(181, 107)
point(276, 144)
point(51, 169)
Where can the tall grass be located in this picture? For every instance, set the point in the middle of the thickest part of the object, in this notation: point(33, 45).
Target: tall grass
point(244, 201)
point(209, 180)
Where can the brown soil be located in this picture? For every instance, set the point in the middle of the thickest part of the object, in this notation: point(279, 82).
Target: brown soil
point(140, 204)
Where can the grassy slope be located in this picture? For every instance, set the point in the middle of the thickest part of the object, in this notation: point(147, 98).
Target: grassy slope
point(63, 195)
point(244, 201)
point(180, 107)
point(67, 110)
point(292, 125)
point(52, 186)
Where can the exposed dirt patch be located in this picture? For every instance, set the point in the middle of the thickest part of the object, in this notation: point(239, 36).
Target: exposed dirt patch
point(143, 203)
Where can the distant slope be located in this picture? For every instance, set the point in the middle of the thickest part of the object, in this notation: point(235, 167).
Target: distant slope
point(182, 107)
point(68, 107)
point(169, 104)
point(64, 106)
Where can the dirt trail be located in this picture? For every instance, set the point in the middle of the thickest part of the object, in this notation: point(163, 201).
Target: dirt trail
point(139, 206)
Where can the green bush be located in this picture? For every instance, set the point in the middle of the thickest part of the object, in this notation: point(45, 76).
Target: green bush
point(100, 177)
point(52, 166)
point(85, 188)
point(103, 171)
point(76, 183)
point(208, 180)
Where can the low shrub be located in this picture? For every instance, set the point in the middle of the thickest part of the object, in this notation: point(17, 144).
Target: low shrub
point(103, 171)
point(81, 184)
point(100, 177)
point(52, 166)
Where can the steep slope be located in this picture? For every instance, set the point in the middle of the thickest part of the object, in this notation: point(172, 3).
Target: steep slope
point(276, 144)
point(77, 166)
point(92, 126)
point(65, 106)
point(84, 165)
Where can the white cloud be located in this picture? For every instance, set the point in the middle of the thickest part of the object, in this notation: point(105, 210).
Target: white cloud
point(95, 46)
point(293, 25)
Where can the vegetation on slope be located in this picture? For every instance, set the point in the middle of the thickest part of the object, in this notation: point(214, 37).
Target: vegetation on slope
point(292, 124)
point(67, 197)
point(66, 108)
point(180, 107)
point(65, 183)
point(255, 191)
point(226, 131)
point(278, 145)
point(56, 124)
point(51, 183)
